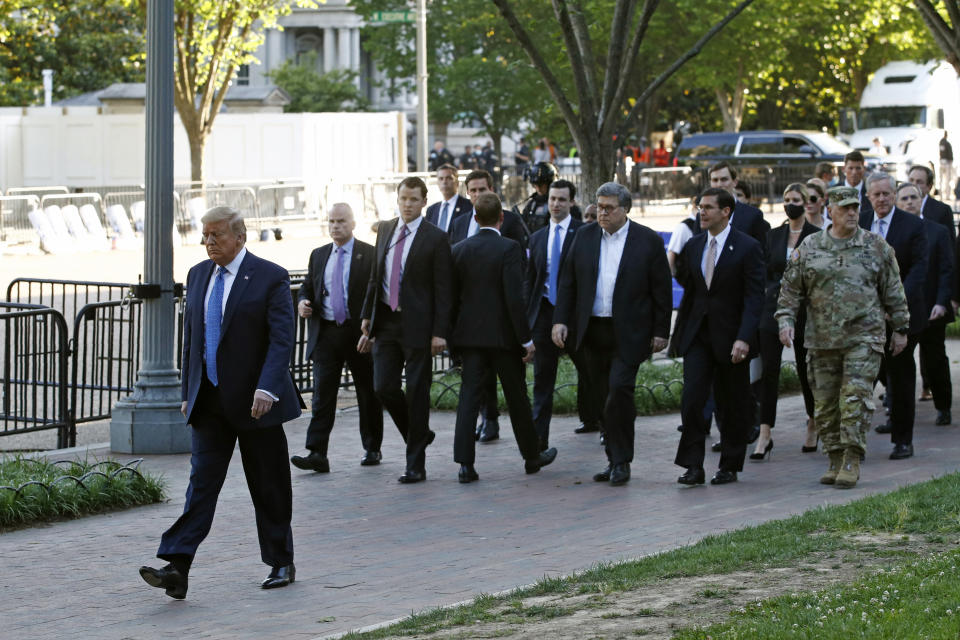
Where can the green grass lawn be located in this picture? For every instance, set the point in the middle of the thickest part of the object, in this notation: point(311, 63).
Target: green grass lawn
point(35, 490)
point(659, 387)
point(909, 599)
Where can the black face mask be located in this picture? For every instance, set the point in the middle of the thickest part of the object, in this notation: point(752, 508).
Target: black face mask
point(793, 211)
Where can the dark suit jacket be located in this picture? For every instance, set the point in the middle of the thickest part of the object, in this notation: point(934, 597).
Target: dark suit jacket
point(775, 260)
point(938, 285)
point(425, 288)
point(463, 208)
point(865, 205)
point(256, 342)
point(512, 228)
point(313, 290)
point(537, 265)
point(746, 218)
point(489, 306)
point(733, 303)
point(940, 212)
point(905, 234)
point(642, 296)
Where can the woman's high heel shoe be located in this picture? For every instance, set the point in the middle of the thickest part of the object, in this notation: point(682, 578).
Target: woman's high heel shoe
point(760, 456)
point(806, 449)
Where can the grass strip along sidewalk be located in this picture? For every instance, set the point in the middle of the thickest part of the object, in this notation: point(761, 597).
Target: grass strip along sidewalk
point(885, 566)
point(35, 490)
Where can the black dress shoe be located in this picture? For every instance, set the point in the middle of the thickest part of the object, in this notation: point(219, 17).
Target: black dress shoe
point(467, 474)
point(693, 476)
point(312, 462)
point(901, 452)
point(542, 460)
point(716, 447)
point(370, 458)
point(619, 474)
point(886, 427)
point(603, 476)
point(588, 427)
point(168, 578)
point(723, 477)
point(279, 577)
point(943, 418)
point(490, 430)
point(412, 476)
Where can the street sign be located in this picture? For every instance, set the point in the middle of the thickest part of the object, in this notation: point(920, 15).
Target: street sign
point(393, 16)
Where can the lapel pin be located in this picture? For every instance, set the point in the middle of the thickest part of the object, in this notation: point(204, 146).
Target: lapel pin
point(730, 247)
point(246, 277)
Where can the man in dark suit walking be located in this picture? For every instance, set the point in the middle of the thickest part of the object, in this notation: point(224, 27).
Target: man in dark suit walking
point(238, 335)
point(853, 172)
point(490, 332)
point(406, 319)
point(930, 208)
point(331, 298)
point(745, 217)
point(453, 206)
point(904, 232)
point(479, 182)
point(548, 248)
point(616, 294)
point(721, 272)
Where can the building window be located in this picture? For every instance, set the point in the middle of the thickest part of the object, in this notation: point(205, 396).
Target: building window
point(243, 75)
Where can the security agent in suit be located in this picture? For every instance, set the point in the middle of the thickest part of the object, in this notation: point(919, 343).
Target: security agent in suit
point(238, 335)
point(930, 208)
point(745, 217)
point(722, 273)
point(548, 248)
point(853, 172)
point(331, 298)
point(615, 293)
point(937, 288)
point(479, 182)
point(903, 232)
point(490, 333)
point(453, 206)
point(406, 319)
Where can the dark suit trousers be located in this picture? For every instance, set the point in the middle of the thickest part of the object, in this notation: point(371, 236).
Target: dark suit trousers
point(546, 359)
point(477, 367)
point(265, 464)
point(934, 365)
point(613, 382)
point(336, 346)
point(410, 410)
point(901, 372)
point(731, 389)
point(771, 353)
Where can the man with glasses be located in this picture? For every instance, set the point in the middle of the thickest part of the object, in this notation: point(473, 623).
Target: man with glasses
point(721, 272)
point(620, 317)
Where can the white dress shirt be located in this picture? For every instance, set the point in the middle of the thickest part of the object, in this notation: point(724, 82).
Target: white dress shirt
point(721, 240)
point(565, 225)
point(611, 251)
point(394, 239)
point(680, 236)
point(325, 300)
point(885, 228)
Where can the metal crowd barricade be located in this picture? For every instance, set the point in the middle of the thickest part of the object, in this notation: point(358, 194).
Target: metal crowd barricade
point(34, 379)
point(665, 186)
point(78, 199)
point(283, 202)
point(132, 202)
point(106, 350)
point(37, 191)
point(66, 296)
point(195, 202)
point(16, 228)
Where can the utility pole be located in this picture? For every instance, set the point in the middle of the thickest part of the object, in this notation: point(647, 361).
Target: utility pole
point(423, 146)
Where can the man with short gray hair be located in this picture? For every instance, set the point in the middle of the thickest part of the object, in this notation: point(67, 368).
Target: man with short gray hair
point(620, 317)
point(904, 232)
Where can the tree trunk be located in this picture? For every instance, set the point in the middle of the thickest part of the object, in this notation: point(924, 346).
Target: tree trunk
point(198, 140)
point(596, 167)
point(731, 107)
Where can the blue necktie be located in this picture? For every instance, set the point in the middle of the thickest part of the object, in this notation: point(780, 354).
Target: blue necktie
point(336, 296)
point(212, 325)
point(555, 265)
point(443, 216)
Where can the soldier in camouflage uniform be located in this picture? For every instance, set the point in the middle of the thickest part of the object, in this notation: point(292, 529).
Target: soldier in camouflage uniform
point(849, 279)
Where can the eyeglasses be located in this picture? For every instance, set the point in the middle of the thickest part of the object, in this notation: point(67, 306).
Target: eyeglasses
point(607, 208)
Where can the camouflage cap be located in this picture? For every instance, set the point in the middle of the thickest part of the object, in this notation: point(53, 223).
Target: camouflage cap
point(843, 196)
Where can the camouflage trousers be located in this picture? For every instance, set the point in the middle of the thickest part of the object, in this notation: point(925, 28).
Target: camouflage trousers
point(842, 384)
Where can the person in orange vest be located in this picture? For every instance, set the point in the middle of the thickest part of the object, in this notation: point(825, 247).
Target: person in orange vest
point(661, 157)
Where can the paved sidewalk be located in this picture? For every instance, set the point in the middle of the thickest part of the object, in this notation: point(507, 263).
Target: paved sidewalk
point(371, 550)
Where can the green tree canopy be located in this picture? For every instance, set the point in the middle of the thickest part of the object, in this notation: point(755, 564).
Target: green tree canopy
point(312, 91)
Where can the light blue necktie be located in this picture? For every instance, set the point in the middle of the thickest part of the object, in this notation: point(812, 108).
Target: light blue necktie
point(212, 325)
point(443, 216)
point(555, 265)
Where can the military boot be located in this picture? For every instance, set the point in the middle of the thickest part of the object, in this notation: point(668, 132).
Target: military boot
point(836, 460)
point(849, 471)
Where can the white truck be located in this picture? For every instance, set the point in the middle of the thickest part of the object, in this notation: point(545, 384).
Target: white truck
point(908, 106)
